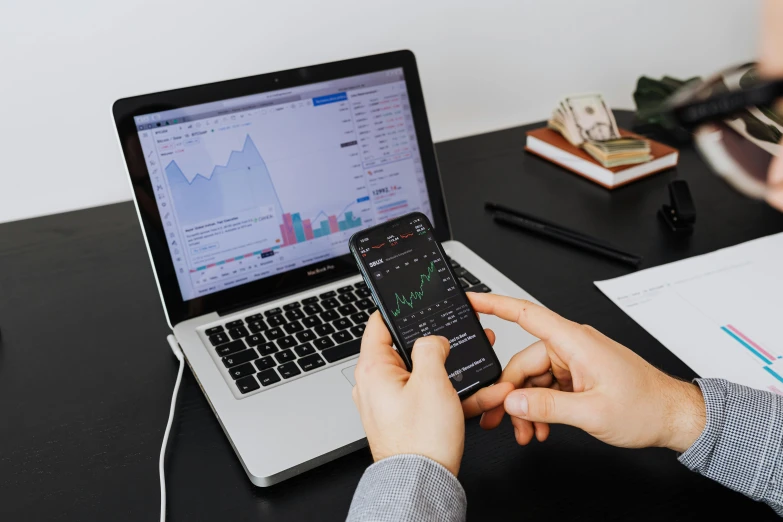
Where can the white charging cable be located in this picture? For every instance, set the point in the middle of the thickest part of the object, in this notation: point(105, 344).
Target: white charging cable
point(181, 358)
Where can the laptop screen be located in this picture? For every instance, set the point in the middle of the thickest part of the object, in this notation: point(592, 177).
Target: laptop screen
point(253, 187)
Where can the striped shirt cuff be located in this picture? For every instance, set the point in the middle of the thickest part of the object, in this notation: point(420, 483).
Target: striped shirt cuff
point(408, 487)
point(741, 446)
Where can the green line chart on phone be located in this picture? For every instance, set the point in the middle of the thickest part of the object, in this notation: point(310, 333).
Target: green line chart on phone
point(415, 295)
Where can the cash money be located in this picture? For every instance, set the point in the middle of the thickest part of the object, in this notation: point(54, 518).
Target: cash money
point(592, 117)
point(622, 151)
point(586, 121)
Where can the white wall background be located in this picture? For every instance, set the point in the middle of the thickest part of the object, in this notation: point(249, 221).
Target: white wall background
point(485, 65)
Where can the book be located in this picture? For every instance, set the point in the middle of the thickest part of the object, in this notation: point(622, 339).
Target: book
point(552, 146)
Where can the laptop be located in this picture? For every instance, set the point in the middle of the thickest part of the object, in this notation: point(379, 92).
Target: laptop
point(247, 191)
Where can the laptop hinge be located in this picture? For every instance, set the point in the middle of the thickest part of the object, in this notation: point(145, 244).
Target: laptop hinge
point(291, 290)
point(243, 306)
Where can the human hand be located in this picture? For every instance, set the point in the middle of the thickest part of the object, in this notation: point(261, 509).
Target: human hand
point(408, 412)
point(775, 181)
point(770, 65)
point(575, 375)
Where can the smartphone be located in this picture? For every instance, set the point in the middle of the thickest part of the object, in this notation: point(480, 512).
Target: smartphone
point(418, 294)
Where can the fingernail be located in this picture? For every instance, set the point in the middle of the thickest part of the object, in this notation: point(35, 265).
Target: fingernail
point(426, 341)
point(517, 405)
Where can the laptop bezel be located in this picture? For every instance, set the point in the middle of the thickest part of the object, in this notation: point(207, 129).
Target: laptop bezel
point(296, 280)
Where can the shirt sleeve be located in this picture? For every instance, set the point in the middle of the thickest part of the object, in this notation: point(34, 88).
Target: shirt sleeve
point(741, 445)
point(410, 488)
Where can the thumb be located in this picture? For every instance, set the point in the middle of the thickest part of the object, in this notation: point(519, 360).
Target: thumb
point(429, 356)
point(550, 406)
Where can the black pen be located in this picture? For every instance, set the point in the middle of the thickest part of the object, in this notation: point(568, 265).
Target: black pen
point(564, 235)
point(490, 205)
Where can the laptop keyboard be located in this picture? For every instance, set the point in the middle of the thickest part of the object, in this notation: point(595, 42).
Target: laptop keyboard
point(271, 347)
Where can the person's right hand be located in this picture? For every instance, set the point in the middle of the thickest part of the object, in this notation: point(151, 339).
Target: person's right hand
point(575, 375)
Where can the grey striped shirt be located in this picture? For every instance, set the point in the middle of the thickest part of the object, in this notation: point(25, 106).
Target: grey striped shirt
point(741, 447)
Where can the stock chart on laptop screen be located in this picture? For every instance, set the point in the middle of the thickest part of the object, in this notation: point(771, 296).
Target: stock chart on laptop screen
point(255, 186)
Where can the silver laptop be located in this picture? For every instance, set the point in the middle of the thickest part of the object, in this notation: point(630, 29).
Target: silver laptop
point(247, 191)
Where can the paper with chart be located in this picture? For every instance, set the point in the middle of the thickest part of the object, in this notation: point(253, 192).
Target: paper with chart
point(721, 313)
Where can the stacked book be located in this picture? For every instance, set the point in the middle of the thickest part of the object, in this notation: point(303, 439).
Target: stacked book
point(583, 137)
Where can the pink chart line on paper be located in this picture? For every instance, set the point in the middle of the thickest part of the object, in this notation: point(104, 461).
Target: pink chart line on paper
point(750, 342)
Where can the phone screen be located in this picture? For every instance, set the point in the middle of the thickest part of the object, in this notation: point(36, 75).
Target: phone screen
point(405, 267)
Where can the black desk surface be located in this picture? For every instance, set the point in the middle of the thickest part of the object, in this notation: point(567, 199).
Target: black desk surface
point(86, 374)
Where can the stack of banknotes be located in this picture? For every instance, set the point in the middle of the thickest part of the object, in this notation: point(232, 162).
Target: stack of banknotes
point(585, 121)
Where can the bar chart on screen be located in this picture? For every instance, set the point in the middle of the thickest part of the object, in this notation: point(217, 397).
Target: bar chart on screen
point(244, 182)
point(295, 229)
point(234, 221)
point(720, 313)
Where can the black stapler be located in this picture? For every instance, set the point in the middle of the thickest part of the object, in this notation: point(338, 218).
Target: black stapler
point(680, 215)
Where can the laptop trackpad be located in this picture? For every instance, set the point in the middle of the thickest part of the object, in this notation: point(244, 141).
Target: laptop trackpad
point(348, 372)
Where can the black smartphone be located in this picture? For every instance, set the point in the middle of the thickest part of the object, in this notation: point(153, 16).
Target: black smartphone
point(418, 294)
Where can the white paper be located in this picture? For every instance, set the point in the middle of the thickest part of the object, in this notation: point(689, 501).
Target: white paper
point(721, 313)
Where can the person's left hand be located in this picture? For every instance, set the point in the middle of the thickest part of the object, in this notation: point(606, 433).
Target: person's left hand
point(775, 179)
point(770, 65)
point(403, 412)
